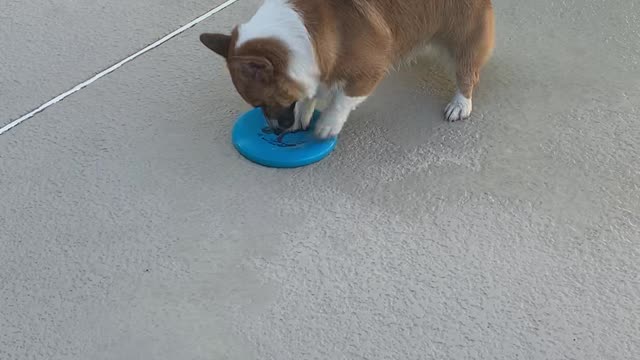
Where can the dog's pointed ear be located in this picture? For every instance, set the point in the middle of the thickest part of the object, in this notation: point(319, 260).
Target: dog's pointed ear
point(253, 68)
point(219, 43)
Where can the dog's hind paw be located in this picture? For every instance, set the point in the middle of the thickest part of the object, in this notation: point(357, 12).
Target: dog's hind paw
point(458, 109)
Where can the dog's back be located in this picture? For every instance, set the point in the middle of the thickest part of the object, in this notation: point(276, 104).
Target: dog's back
point(374, 33)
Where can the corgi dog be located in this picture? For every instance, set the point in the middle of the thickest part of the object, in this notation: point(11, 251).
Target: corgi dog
point(292, 52)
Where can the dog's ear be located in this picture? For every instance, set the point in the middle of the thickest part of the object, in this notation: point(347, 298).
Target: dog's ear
point(253, 68)
point(219, 43)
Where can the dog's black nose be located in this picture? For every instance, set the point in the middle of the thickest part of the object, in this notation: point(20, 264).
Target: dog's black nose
point(287, 118)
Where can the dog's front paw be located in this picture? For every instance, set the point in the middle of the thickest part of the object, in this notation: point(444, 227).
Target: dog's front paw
point(458, 109)
point(328, 128)
point(303, 113)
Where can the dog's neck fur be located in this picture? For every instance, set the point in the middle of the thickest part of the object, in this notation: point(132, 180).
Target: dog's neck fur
point(278, 19)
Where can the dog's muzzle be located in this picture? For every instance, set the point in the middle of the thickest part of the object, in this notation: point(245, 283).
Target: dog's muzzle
point(283, 120)
point(288, 118)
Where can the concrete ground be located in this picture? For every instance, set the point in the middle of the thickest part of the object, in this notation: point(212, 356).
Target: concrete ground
point(131, 229)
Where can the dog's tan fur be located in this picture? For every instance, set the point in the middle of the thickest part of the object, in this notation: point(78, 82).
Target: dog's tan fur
point(258, 69)
point(356, 43)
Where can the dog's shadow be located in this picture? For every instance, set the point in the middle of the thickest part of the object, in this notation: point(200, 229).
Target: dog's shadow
point(407, 106)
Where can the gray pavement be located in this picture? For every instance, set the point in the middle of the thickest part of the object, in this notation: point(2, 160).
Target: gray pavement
point(49, 46)
point(131, 229)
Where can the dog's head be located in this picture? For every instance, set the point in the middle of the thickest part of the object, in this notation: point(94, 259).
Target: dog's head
point(258, 70)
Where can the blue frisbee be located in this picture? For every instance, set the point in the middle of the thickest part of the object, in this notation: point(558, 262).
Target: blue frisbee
point(256, 141)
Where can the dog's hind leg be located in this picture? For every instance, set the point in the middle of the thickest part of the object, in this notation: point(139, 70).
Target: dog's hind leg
point(471, 51)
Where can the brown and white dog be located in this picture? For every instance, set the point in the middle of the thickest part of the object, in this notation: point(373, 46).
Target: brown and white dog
point(293, 51)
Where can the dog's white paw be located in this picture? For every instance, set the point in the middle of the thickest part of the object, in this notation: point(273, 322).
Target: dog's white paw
point(458, 109)
point(303, 113)
point(326, 129)
point(335, 116)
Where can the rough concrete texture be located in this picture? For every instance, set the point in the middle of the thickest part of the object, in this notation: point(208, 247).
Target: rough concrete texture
point(131, 229)
point(49, 46)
